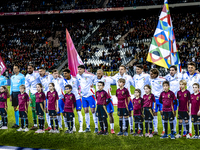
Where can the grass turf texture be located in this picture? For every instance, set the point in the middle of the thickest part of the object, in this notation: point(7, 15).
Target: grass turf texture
point(88, 140)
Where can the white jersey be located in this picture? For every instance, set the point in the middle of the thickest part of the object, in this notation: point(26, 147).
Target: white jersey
point(31, 80)
point(59, 86)
point(107, 82)
point(85, 81)
point(191, 79)
point(128, 79)
point(174, 82)
point(139, 81)
point(45, 80)
point(74, 83)
point(156, 86)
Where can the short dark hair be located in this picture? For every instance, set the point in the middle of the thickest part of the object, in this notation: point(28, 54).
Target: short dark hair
point(42, 68)
point(54, 70)
point(31, 65)
point(81, 66)
point(192, 64)
point(68, 86)
point(66, 70)
point(166, 82)
point(140, 66)
point(101, 83)
point(173, 66)
point(16, 66)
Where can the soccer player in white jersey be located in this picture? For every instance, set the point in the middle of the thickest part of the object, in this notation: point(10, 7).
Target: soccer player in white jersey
point(44, 79)
point(107, 82)
point(59, 86)
point(140, 79)
point(191, 77)
point(85, 81)
point(69, 80)
point(174, 78)
point(129, 82)
point(31, 80)
point(156, 86)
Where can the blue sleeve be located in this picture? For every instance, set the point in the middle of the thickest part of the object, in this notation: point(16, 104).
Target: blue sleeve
point(23, 80)
point(133, 83)
point(11, 85)
point(5, 81)
point(147, 81)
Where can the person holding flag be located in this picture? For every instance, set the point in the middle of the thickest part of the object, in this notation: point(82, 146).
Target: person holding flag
point(107, 82)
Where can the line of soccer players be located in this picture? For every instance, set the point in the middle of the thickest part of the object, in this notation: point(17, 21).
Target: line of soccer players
point(42, 100)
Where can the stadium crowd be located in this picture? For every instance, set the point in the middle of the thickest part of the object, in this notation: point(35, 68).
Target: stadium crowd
point(49, 5)
point(28, 41)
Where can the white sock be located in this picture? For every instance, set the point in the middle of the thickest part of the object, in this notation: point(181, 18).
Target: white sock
point(163, 125)
point(184, 126)
point(74, 122)
point(35, 125)
point(112, 126)
point(155, 123)
point(175, 122)
point(131, 122)
point(65, 121)
point(80, 119)
point(48, 120)
point(87, 119)
point(95, 120)
point(190, 125)
point(59, 121)
point(123, 124)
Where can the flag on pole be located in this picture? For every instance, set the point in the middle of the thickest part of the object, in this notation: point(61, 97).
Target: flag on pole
point(74, 59)
point(2, 66)
point(163, 50)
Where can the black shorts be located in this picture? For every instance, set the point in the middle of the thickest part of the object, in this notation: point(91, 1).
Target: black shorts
point(195, 118)
point(52, 113)
point(3, 112)
point(148, 113)
point(183, 115)
point(69, 115)
point(168, 116)
point(122, 112)
point(40, 108)
point(138, 118)
point(14, 96)
point(22, 114)
point(101, 112)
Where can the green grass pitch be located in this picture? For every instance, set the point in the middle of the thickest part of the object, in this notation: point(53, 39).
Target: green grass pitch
point(88, 140)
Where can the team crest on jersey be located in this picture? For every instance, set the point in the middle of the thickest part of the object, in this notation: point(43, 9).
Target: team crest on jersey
point(185, 95)
point(22, 97)
point(176, 78)
point(122, 92)
point(72, 82)
point(85, 78)
point(197, 97)
point(53, 95)
point(143, 79)
point(70, 97)
point(149, 97)
point(40, 95)
point(159, 82)
point(46, 77)
point(101, 95)
point(139, 101)
point(168, 95)
point(2, 95)
point(34, 77)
